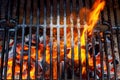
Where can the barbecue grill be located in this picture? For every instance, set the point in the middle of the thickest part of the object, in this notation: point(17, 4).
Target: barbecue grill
point(42, 39)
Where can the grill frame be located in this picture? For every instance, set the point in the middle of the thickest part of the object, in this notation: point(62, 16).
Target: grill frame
point(6, 22)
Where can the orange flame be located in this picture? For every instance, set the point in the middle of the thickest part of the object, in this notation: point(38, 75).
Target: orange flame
point(92, 16)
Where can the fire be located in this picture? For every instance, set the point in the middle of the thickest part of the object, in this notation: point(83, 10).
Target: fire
point(92, 18)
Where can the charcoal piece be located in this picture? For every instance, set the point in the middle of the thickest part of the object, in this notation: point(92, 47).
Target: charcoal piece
point(91, 74)
point(77, 72)
point(25, 52)
point(116, 62)
point(69, 73)
point(96, 49)
point(90, 51)
point(105, 76)
point(39, 71)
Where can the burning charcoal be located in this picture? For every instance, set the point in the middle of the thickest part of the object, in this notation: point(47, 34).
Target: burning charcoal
point(11, 42)
point(39, 71)
point(67, 31)
point(40, 64)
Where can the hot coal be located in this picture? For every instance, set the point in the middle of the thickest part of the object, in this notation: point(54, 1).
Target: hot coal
point(69, 65)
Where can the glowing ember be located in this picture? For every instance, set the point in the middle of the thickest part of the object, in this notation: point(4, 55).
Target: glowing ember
point(92, 18)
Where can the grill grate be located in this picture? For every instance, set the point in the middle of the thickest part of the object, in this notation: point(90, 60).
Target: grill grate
point(25, 21)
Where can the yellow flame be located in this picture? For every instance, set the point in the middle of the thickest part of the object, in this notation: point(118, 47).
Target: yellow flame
point(92, 18)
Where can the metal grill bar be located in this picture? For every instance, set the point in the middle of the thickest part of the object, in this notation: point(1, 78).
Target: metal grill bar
point(7, 12)
point(7, 54)
point(37, 38)
point(58, 40)
point(2, 55)
point(8, 9)
point(72, 38)
point(94, 56)
point(106, 55)
point(87, 64)
point(61, 26)
point(0, 8)
point(116, 24)
point(86, 46)
point(14, 56)
point(105, 49)
point(11, 8)
point(23, 38)
point(79, 44)
point(51, 39)
point(112, 44)
point(65, 45)
point(15, 41)
point(44, 37)
point(101, 57)
point(30, 38)
point(6, 16)
point(79, 51)
point(93, 49)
